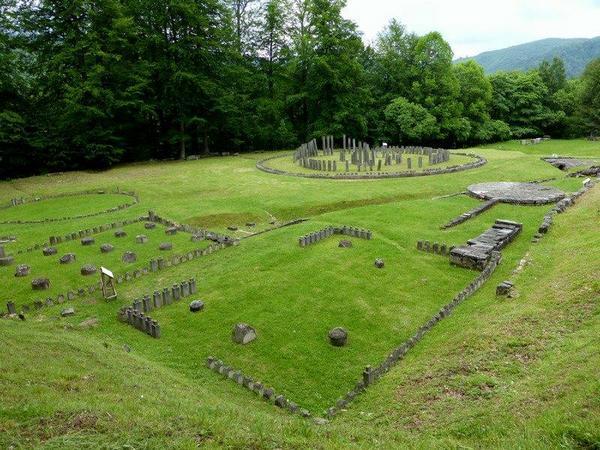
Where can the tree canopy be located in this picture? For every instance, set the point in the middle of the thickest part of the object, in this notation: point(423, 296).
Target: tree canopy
point(90, 83)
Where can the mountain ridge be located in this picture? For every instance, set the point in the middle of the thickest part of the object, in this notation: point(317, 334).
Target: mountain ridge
point(575, 52)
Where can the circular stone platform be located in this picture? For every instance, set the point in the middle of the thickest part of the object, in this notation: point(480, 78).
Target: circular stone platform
point(512, 192)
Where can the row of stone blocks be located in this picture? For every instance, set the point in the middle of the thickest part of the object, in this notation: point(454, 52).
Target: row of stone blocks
point(165, 297)
point(371, 374)
point(317, 236)
point(94, 230)
point(561, 206)
point(480, 161)
point(438, 249)
point(142, 322)
point(197, 233)
point(471, 213)
point(128, 276)
point(257, 387)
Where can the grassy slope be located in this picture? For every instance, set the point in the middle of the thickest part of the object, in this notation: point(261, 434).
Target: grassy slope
point(462, 384)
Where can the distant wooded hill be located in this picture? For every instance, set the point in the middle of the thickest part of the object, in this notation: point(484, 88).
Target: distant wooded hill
point(576, 53)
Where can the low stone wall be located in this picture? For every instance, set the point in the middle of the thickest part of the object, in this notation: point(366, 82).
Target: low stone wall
point(371, 374)
point(471, 213)
point(317, 236)
point(137, 316)
point(559, 208)
point(479, 161)
point(22, 201)
point(257, 387)
point(142, 322)
point(435, 247)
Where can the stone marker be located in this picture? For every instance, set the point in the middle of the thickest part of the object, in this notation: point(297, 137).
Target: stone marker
point(88, 269)
point(165, 246)
point(67, 312)
point(67, 259)
point(243, 333)
point(345, 243)
point(106, 248)
point(379, 263)
point(338, 337)
point(22, 270)
point(141, 239)
point(88, 241)
point(48, 251)
point(504, 288)
point(40, 284)
point(129, 257)
point(196, 306)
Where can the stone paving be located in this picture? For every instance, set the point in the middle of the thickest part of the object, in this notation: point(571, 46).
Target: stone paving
point(519, 193)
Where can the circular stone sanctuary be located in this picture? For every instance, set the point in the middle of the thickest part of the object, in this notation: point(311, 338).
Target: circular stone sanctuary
point(520, 193)
point(352, 159)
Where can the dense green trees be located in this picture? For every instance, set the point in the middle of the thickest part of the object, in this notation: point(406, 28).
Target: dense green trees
point(89, 83)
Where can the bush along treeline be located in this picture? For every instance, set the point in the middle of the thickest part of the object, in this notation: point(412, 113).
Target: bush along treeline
point(87, 84)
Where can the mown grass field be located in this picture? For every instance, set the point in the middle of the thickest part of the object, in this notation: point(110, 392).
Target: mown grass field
point(518, 372)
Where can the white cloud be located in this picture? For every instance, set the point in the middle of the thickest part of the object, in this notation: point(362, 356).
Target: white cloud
point(472, 26)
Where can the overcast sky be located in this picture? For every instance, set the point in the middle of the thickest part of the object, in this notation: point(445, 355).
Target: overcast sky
point(472, 26)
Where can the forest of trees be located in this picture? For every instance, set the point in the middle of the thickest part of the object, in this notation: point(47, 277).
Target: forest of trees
point(90, 83)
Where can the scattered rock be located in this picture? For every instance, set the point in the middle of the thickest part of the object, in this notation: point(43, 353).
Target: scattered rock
point(338, 337)
point(87, 241)
point(22, 270)
point(251, 224)
point(243, 333)
point(48, 251)
point(88, 269)
point(232, 228)
point(320, 421)
point(120, 233)
point(149, 225)
point(40, 284)
point(196, 306)
point(197, 237)
point(165, 246)
point(141, 239)
point(67, 312)
point(68, 258)
point(106, 248)
point(171, 231)
point(379, 263)
point(127, 348)
point(92, 322)
point(345, 243)
point(129, 257)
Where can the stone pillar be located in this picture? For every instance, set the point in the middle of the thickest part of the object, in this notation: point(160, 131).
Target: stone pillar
point(146, 303)
point(192, 286)
point(166, 296)
point(155, 327)
point(409, 163)
point(11, 308)
point(185, 289)
point(157, 298)
point(368, 376)
point(176, 292)
point(153, 265)
point(420, 162)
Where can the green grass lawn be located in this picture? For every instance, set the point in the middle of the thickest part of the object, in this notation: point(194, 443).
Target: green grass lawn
point(497, 373)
